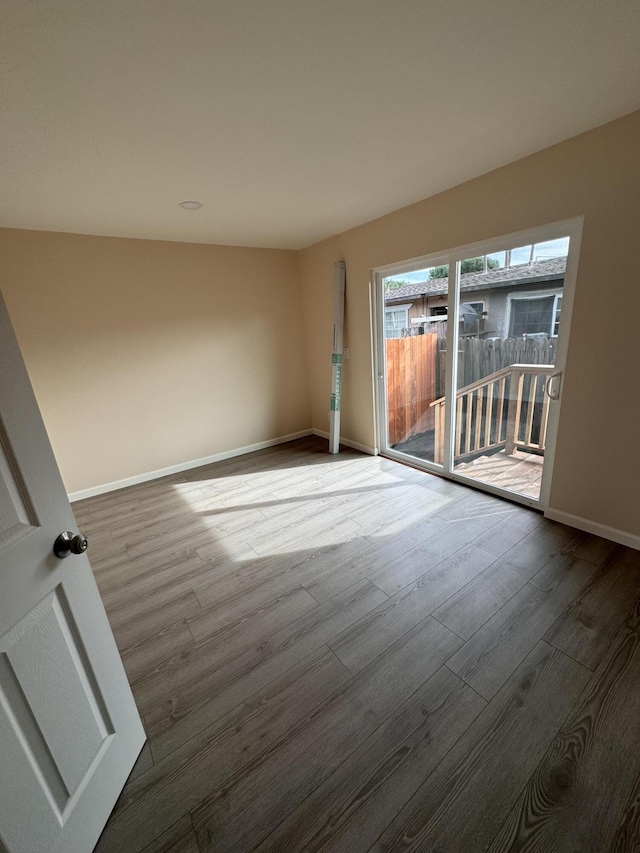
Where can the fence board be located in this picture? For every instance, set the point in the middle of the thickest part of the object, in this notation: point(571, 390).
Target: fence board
point(411, 385)
point(478, 357)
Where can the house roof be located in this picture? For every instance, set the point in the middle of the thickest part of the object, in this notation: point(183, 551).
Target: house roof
point(538, 272)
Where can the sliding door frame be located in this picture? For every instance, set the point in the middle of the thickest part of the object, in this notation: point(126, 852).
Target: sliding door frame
point(571, 228)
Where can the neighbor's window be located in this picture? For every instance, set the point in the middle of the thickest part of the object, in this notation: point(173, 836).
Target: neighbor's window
point(396, 318)
point(478, 307)
point(535, 315)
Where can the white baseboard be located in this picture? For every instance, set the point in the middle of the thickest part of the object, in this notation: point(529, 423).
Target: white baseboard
point(594, 527)
point(364, 448)
point(184, 466)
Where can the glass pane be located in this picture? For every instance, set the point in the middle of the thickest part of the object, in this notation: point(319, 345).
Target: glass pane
point(506, 344)
point(531, 316)
point(395, 321)
point(415, 306)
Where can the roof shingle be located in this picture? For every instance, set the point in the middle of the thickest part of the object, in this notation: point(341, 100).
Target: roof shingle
point(541, 271)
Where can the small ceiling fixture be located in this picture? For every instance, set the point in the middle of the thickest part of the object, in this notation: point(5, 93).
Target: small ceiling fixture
point(191, 205)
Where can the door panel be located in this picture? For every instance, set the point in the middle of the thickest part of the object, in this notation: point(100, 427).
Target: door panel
point(69, 727)
point(47, 667)
point(17, 517)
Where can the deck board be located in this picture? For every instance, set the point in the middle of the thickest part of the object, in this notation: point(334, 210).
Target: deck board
point(520, 472)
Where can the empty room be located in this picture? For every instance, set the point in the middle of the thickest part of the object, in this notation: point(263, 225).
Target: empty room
point(319, 417)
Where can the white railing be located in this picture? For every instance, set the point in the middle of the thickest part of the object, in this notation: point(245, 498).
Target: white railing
point(508, 409)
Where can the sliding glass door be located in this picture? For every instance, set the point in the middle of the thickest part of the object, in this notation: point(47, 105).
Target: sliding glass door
point(470, 349)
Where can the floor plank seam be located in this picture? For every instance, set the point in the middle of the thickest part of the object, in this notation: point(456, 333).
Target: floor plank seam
point(193, 829)
point(380, 588)
point(302, 586)
point(195, 642)
point(340, 661)
point(462, 639)
point(496, 616)
point(484, 699)
point(194, 591)
point(398, 640)
point(574, 659)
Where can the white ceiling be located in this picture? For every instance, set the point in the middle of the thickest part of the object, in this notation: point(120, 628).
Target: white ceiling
point(291, 120)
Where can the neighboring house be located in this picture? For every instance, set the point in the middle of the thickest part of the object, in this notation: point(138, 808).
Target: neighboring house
point(507, 302)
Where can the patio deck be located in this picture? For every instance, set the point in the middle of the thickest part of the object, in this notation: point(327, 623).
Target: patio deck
point(520, 472)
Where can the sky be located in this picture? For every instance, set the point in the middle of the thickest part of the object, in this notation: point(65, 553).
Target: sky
point(550, 249)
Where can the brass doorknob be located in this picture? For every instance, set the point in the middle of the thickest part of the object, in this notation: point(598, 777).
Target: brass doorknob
point(67, 544)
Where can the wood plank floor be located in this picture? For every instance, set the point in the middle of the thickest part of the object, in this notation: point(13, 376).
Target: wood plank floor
point(341, 653)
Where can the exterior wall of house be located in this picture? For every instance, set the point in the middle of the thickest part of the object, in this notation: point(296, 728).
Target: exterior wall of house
point(595, 175)
point(496, 304)
point(146, 354)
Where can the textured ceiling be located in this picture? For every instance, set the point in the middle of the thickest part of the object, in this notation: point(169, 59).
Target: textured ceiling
point(291, 120)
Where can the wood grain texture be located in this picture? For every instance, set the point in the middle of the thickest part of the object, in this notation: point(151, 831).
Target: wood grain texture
point(131, 628)
point(171, 640)
point(282, 571)
point(393, 512)
point(594, 549)
point(468, 609)
point(144, 762)
point(180, 838)
point(326, 581)
point(456, 810)
point(263, 735)
point(157, 798)
point(495, 650)
point(509, 532)
point(575, 799)
point(369, 637)
point(397, 574)
point(128, 592)
point(466, 505)
point(215, 690)
point(355, 803)
point(236, 817)
point(627, 838)
point(586, 629)
point(255, 612)
point(538, 547)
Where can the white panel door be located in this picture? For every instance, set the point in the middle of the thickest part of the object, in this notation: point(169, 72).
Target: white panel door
point(69, 728)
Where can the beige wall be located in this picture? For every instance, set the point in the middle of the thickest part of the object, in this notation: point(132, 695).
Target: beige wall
point(597, 470)
point(146, 354)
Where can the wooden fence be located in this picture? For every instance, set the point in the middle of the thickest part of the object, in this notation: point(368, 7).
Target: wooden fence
point(478, 358)
point(411, 385)
point(416, 373)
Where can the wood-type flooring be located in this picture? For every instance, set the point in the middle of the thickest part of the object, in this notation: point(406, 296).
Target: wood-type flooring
point(342, 653)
